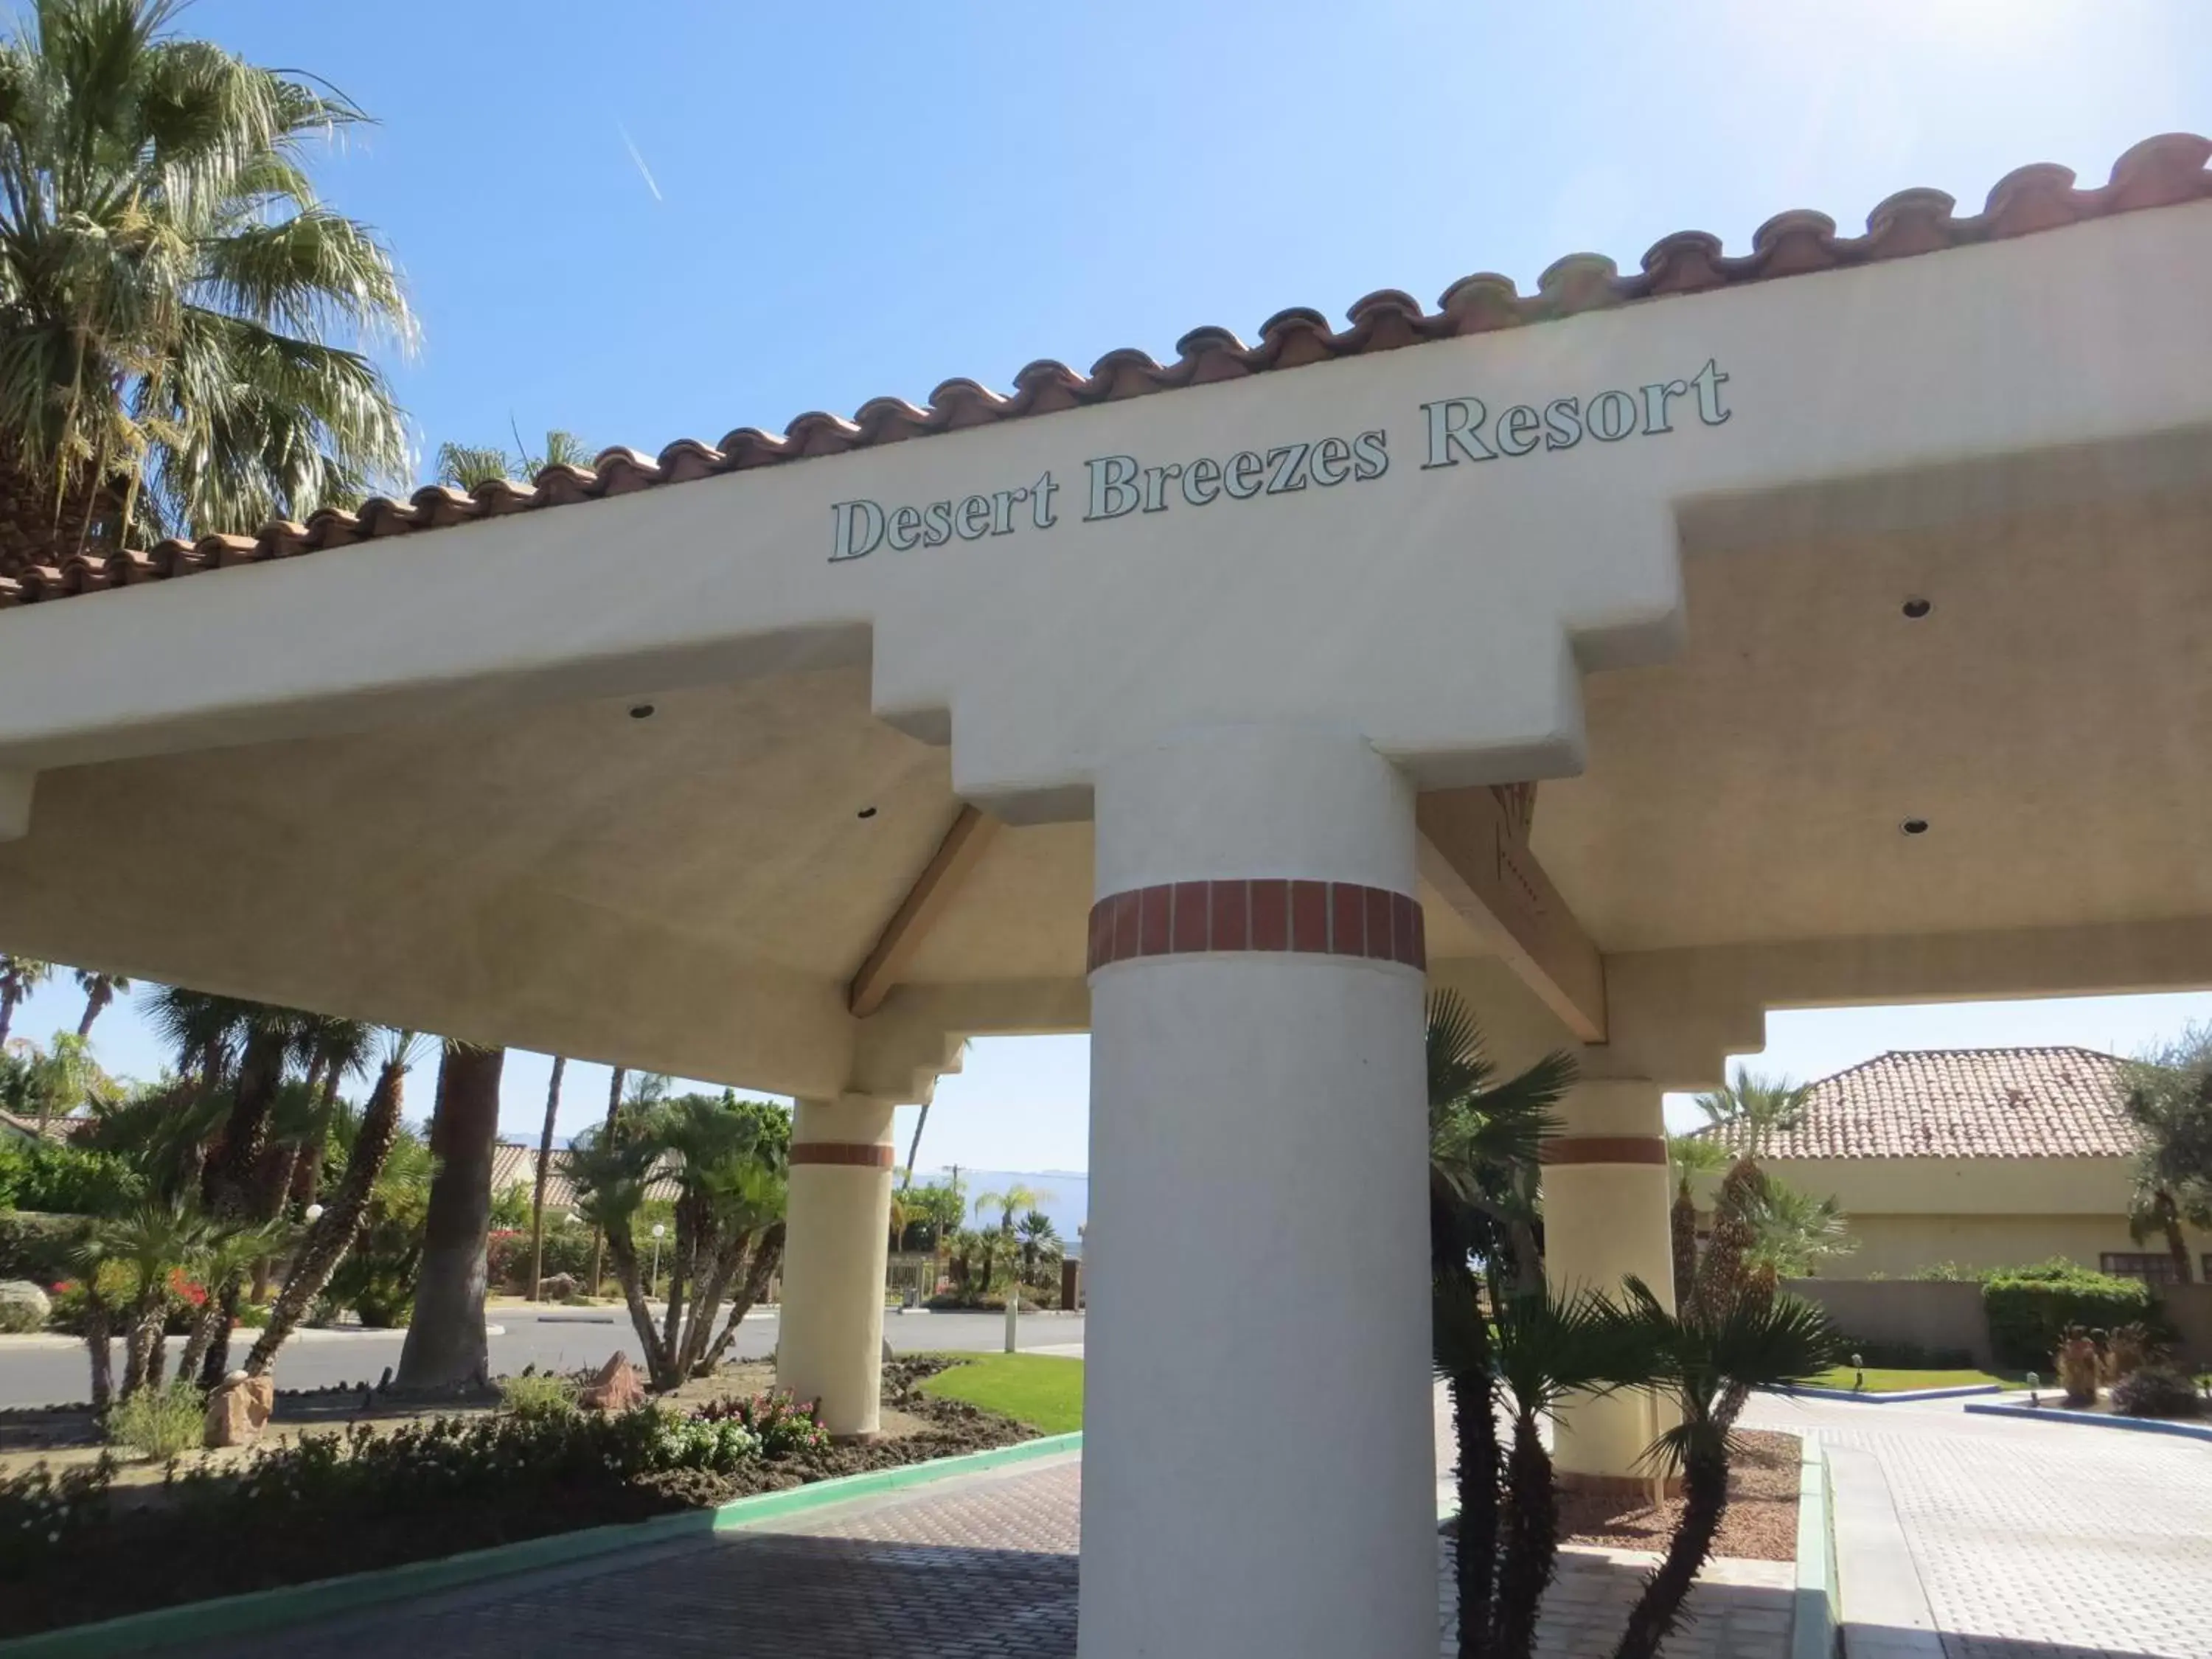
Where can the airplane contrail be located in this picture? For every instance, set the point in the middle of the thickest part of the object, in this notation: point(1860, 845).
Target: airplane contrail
point(643, 171)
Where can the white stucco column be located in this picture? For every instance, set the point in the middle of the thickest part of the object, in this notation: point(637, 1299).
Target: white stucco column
point(837, 1240)
point(1258, 1476)
point(1605, 1217)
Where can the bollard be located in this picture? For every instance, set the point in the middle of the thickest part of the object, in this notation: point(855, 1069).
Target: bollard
point(1013, 1314)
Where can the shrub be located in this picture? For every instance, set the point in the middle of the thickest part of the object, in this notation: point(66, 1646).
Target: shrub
point(36, 1247)
point(777, 1420)
point(538, 1397)
point(2157, 1391)
point(159, 1423)
point(60, 1180)
point(43, 1515)
point(2030, 1308)
point(506, 1258)
point(19, 1315)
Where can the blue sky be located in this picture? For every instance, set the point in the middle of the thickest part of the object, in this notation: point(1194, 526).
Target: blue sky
point(665, 220)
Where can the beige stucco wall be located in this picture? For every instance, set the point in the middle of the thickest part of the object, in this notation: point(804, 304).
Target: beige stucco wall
point(1912, 1213)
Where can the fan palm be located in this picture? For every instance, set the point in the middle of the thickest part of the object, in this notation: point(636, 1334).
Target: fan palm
point(1792, 1233)
point(1688, 1156)
point(1544, 1347)
point(1705, 1367)
point(1751, 1108)
point(181, 319)
point(1484, 1138)
point(1038, 1237)
point(19, 978)
point(465, 466)
point(537, 1183)
point(100, 990)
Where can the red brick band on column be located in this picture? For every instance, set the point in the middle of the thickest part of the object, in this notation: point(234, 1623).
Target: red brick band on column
point(1311, 918)
point(1606, 1149)
point(853, 1154)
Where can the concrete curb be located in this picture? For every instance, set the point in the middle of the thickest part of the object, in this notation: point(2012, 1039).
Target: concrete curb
point(1898, 1397)
point(228, 1617)
point(1817, 1606)
point(2185, 1429)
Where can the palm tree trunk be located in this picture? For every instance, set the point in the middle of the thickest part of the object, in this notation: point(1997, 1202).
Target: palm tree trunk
point(1475, 1551)
point(1659, 1609)
point(623, 1249)
point(227, 1183)
point(1532, 1540)
point(1682, 1237)
point(102, 993)
point(215, 1366)
point(538, 1190)
point(599, 1237)
point(447, 1350)
point(767, 1254)
point(196, 1343)
point(334, 1232)
point(9, 996)
point(706, 1300)
point(98, 1337)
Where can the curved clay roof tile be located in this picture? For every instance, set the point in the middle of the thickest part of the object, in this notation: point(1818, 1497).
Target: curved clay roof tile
point(621, 470)
point(1481, 302)
point(959, 403)
point(2162, 171)
point(748, 445)
point(1684, 263)
point(1910, 222)
point(1579, 282)
point(495, 496)
point(1126, 372)
point(559, 485)
point(1046, 386)
point(1208, 354)
point(438, 505)
point(688, 459)
point(817, 432)
point(332, 526)
point(1794, 243)
point(2031, 198)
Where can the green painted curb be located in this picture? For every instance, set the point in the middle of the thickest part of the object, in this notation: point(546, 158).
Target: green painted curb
point(231, 1616)
point(1816, 1606)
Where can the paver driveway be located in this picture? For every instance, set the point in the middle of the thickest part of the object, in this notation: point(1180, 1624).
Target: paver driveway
point(1964, 1538)
point(2019, 1540)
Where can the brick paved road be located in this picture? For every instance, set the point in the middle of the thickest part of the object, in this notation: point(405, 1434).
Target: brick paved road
point(2030, 1540)
point(972, 1569)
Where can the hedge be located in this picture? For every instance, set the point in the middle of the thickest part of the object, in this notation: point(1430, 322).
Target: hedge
point(2029, 1308)
point(35, 1246)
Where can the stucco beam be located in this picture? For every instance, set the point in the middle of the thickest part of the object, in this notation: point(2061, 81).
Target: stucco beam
point(1474, 852)
point(932, 892)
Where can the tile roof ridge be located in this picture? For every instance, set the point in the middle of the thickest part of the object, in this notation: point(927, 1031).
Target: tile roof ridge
point(2166, 170)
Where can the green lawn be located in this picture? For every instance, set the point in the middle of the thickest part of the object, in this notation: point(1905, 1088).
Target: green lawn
point(1889, 1381)
point(1040, 1390)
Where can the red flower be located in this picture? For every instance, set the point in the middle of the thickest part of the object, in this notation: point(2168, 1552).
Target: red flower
point(187, 1290)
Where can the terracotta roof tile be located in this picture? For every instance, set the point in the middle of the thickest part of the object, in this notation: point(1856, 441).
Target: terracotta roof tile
point(2161, 172)
point(1966, 1102)
point(514, 1164)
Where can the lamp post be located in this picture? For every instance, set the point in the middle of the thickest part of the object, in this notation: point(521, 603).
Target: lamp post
point(313, 1213)
point(658, 1231)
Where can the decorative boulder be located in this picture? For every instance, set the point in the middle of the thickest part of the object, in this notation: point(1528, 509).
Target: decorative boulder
point(23, 1307)
point(556, 1287)
point(239, 1410)
point(616, 1389)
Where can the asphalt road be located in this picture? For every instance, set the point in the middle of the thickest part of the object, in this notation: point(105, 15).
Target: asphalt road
point(41, 1372)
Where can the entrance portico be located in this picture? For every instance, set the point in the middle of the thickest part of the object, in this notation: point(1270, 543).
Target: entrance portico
point(1253, 680)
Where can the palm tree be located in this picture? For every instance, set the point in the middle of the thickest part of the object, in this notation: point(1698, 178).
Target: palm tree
point(447, 1350)
point(19, 978)
point(55, 1080)
point(1484, 1138)
point(465, 466)
point(336, 1049)
point(100, 990)
point(1792, 1233)
point(598, 1235)
point(1038, 1235)
point(537, 1187)
point(1746, 1112)
point(1544, 1348)
point(333, 1234)
point(1706, 1367)
point(181, 316)
point(1688, 1156)
point(1016, 1196)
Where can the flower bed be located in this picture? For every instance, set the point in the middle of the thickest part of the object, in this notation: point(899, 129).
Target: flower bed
point(71, 1550)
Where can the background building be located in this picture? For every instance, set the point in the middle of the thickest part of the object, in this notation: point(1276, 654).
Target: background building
point(1981, 1157)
